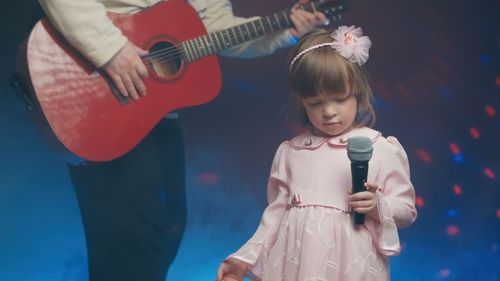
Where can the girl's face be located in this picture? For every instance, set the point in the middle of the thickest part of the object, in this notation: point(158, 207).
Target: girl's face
point(331, 115)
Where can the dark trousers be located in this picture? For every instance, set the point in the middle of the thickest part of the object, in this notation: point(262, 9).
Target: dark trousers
point(134, 208)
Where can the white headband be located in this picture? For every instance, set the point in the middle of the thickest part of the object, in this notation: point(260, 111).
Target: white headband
point(349, 42)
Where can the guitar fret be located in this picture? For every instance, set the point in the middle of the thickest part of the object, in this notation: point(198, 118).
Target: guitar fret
point(204, 47)
point(252, 30)
point(269, 25)
point(188, 51)
point(213, 48)
point(185, 52)
point(207, 45)
point(246, 32)
point(277, 21)
point(239, 37)
point(201, 47)
point(255, 29)
point(232, 36)
point(213, 38)
point(220, 40)
point(196, 54)
point(286, 19)
point(273, 24)
point(226, 38)
point(259, 27)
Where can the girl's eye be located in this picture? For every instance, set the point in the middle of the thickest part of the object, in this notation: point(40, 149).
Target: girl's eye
point(316, 103)
point(343, 99)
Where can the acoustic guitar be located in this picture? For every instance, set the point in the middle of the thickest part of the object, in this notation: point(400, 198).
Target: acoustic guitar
point(81, 109)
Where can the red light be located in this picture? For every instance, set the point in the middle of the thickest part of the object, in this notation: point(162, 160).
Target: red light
point(444, 273)
point(419, 201)
point(474, 133)
point(489, 110)
point(457, 189)
point(454, 148)
point(489, 173)
point(452, 230)
point(498, 213)
point(208, 178)
point(424, 155)
point(497, 80)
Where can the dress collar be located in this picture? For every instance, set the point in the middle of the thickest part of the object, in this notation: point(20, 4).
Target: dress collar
point(309, 141)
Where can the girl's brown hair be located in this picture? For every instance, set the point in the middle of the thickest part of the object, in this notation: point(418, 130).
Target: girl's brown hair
point(324, 71)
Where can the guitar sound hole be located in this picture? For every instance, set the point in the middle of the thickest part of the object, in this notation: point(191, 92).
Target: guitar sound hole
point(165, 59)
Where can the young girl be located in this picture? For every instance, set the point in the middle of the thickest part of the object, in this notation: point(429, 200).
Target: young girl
point(307, 232)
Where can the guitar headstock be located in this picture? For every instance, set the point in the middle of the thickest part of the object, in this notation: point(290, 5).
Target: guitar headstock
point(332, 9)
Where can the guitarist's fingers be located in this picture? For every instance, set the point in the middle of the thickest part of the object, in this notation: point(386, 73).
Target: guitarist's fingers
point(141, 52)
point(321, 18)
point(139, 85)
point(129, 85)
point(119, 84)
point(299, 22)
point(309, 18)
point(142, 71)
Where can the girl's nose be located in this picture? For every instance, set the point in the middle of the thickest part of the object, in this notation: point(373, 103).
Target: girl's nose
point(329, 111)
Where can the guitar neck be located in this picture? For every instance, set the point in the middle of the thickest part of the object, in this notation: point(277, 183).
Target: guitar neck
point(214, 42)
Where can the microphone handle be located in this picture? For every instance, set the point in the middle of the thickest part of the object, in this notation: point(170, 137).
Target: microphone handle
point(359, 172)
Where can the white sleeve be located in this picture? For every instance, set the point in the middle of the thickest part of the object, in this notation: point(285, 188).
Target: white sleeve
point(86, 26)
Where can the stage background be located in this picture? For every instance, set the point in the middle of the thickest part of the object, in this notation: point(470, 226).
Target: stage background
point(434, 68)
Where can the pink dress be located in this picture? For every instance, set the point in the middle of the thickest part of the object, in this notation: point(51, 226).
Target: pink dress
point(307, 233)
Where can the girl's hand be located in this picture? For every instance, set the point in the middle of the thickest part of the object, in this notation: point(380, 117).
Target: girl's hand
point(232, 270)
point(365, 201)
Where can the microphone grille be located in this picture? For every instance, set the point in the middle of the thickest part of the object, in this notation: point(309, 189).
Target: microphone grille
point(359, 148)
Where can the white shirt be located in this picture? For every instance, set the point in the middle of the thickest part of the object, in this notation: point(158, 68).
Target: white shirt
point(85, 25)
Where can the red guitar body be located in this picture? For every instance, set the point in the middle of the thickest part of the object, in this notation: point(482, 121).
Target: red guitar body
point(78, 103)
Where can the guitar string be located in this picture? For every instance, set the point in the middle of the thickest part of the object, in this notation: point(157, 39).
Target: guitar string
point(167, 53)
point(173, 49)
point(177, 52)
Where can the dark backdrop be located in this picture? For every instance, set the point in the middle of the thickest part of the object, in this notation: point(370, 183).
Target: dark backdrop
point(434, 67)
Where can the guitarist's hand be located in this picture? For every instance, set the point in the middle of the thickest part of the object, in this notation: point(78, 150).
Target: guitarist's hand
point(127, 70)
point(304, 21)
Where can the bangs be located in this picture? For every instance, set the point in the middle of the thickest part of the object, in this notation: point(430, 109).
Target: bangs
point(324, 73)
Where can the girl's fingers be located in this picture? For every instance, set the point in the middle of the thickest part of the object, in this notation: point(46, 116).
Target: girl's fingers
point(371, 186)
point(364, 195)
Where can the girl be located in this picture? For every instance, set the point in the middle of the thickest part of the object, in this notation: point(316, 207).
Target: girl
point(306, 232)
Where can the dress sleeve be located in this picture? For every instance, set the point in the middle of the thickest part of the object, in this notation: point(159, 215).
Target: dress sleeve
point(255, 251)
point(86, 26)
point(396, 200)
point(219, 15)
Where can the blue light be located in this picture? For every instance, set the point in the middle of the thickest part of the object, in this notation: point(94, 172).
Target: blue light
point(452, 213)
point(485, 59)
point(458, 158)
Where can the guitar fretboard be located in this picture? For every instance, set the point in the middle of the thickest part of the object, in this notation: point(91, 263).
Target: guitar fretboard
point(214, 42)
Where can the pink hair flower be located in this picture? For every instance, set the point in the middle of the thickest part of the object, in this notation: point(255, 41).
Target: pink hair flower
point(351, 44)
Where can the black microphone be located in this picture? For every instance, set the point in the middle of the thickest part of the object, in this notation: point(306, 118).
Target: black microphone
point(359, 151)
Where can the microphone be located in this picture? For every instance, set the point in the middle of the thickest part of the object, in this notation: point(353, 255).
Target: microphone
point(359, 151)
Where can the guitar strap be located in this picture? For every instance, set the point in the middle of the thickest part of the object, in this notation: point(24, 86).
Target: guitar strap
point(17, 81)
